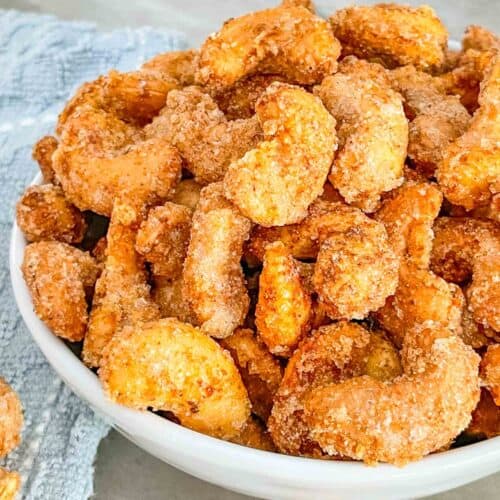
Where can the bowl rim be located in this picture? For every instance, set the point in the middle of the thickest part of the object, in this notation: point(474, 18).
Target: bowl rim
point(143, 425)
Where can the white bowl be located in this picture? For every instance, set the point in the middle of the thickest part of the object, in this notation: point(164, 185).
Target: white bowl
point(245, 470)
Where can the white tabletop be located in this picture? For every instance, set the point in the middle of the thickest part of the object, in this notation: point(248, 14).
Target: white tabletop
point(123, 471)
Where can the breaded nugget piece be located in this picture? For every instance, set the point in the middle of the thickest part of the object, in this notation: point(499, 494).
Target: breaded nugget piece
point(490, 371)
point(10, 484)
point(180, 65)
point(207, 141)
point(11, 419)
point(187, 193)
point(214, 285)
point(43, 213)
point(260, 371)
point(172, 366)
point(356, 269)
point(457, 242)
point(122, 294)
point(104, 149)
point(485, 421)
point(376, 421)
point(167, 294)
point(59, 278)
point(408, 215)
point(373, 137)
point(469, 173)
point(284, 306)
point(268, 183)
point(238, 101)
point(421, 296)
point(254, 435)
point(437, 119)
point(331, 354)
point(42, 153)
point(163, 238)
point(479, 38)
point(392, 34)
point(288, 41)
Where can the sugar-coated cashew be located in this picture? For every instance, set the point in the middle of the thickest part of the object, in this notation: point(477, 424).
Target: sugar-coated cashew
point(10, 483)
point(59, 278)
point(404, 419)
point(331, 354)
point(287, 40)
point(214, 285)
point(356, 269)
point(373, 136)
point(268, 182)
point(283, 309)
point(172, 366)
point(408, 215)
point(43, 213)
point(179, 65)
point(122, 294)
point(260, 371)
point(254, 435)
point(392, 34)
point(187, 193)
point(163, 238)
point(469, 173)
point(490, 371)
point(42, 154)
point(207, 141)
point(11, 420)
point(105, 149)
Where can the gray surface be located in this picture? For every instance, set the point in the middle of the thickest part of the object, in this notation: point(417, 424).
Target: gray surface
point(123, 471)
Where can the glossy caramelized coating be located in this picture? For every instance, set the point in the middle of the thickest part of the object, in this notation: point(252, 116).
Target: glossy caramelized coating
point(11, 419)
point(373, 136)
point(104, 149)
point(214, 284)
point(42, 154)
point(268, 183)
point(122, 294)
point(163, 238)
point(392, 34)
point(490, 371)
point(207, 141)
point(437, 119)
point(284, 306)
point(421, 296)
point(179, 65)
point(239, 100)
point(408, 215)
point(10, 484)
point(254, 435)
point(356, 269)
point(43, 213)
point(187, 193)
point(167, 294)
point(287, 40)
point(59, 278)
point(375, 421)
point(260, 371)
point(172, 366)
point(332, 353)
point(469, 173)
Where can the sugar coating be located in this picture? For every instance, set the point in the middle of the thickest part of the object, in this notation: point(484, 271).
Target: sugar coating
point(11, 421)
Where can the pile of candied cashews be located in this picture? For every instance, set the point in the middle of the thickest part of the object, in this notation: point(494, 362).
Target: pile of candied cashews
point(301, 242)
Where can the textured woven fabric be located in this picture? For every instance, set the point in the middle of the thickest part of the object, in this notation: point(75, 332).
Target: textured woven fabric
point(42, 61)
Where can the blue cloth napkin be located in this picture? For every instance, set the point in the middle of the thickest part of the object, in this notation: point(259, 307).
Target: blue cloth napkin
point(42, 61)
